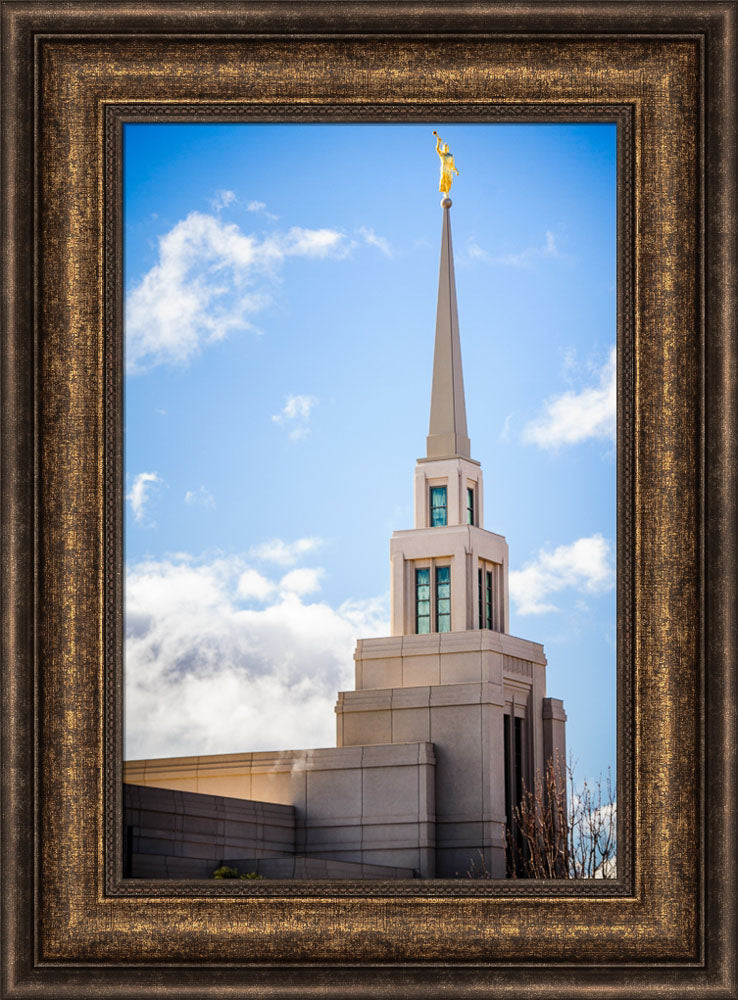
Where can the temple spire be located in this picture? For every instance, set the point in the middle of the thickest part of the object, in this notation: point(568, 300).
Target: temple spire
point(447, 434)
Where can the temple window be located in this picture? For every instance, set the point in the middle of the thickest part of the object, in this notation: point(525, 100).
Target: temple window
point(422, 601)
point(443, 599)
point(486, 596)
point(438, 506)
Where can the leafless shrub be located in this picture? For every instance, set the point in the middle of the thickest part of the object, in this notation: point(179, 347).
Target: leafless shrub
point(560, 831)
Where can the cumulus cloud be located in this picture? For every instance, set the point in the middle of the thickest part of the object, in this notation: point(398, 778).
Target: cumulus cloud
point(576, 416)
point(276, 550)
point(225, 199)
point(222, 199)
point(301, 581)
point(260, 207)
point(140, 493)
point(584, 565)
point(199, 498)
point(209, 278)
point(373, 240)
point(295, 415)
point(208, 672)
point(252, 585)
point(521, 258)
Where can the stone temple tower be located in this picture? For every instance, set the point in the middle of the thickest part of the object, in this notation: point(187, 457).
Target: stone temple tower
point(450, 673)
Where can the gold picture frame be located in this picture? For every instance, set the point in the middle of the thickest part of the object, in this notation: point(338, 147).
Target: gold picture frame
point(73, 72)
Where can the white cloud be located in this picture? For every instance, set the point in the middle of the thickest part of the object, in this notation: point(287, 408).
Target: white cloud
point(199, 497)
point(295, 415)
point(301, 581)
point(208, 280)
point(475, 252)
point(253, 586)
point(584, 565)
point(373, 240)
point(140, 493)
point(284, 553)
point(222, 200)
point(206, 673)
point(298, 242)
point(574, 416)
point(260, 206)
point(522, 258)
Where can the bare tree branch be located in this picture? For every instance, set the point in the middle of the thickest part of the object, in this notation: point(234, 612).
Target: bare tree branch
point(561, 831)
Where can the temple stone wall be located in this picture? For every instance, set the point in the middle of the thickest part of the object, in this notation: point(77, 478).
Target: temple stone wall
point(453, 689)
point(176, 834)
point(363, 804)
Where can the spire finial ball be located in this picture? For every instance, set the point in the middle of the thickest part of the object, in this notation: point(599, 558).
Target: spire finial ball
point(446, 203)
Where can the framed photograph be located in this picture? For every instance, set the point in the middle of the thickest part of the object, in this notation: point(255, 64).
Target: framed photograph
point(242, 194)
point(396, 721)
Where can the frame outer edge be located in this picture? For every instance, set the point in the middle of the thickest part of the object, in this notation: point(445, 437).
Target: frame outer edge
point(383, 17)
point(721, 503)
point(720, 510)
point(17, 505)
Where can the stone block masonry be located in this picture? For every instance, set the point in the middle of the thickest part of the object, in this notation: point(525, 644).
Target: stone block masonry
point(176, 834)
point(372, 805)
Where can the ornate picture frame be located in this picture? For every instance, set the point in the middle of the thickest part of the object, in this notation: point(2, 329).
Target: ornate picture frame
point(72, 926)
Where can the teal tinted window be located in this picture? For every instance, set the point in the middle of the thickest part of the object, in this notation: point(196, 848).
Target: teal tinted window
point(469, 505)
point(438, 505)
point(422, 601)
point(488, 601)
point(443, 599)
point(480, 596)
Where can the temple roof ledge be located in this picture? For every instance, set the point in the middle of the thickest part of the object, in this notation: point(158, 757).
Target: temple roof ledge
point(448, 458)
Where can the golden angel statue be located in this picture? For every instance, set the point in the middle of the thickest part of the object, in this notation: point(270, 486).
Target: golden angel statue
point(448, 166)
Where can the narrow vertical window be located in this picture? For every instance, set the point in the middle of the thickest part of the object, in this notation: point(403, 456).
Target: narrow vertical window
point(443, 599)
point(508, 774)
point(513, 762)
point(486, 596)
point(438, 506)
point(422, 601)
point(469, 505)
point(518, 761)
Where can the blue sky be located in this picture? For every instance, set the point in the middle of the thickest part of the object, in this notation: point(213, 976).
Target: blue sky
point(280, 289)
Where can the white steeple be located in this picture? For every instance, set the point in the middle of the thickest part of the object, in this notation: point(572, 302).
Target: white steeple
point(463, 561)
point(447, 434)
point(447, 450)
